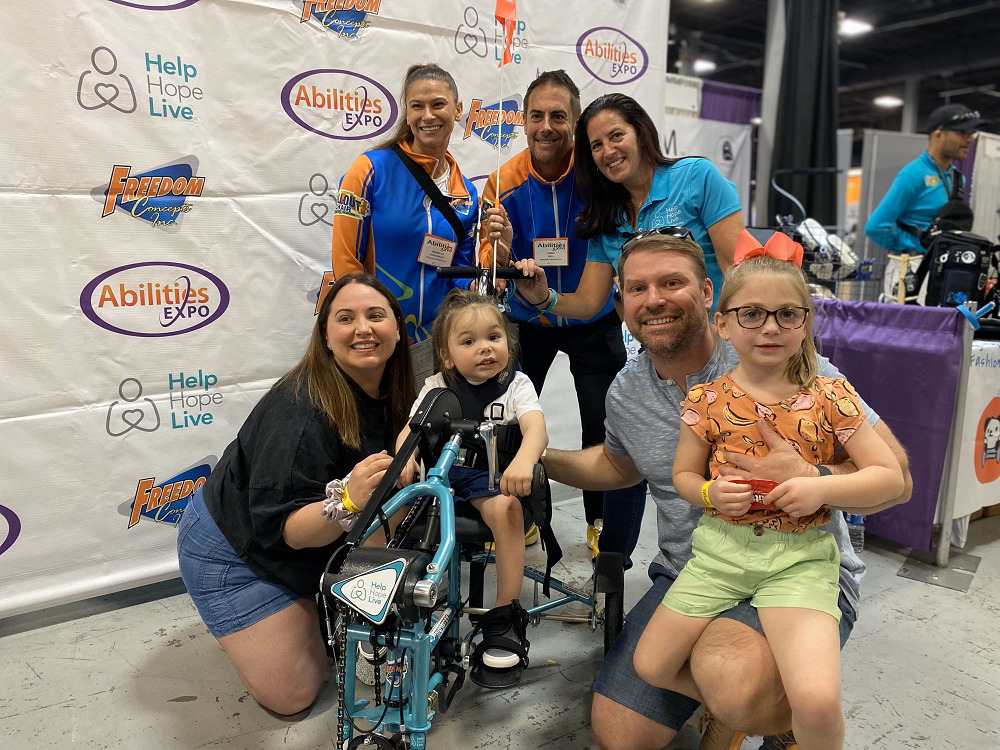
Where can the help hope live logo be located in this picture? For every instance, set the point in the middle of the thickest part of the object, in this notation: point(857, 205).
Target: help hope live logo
point(190, 398)
point(170, 83)
point(167, 81)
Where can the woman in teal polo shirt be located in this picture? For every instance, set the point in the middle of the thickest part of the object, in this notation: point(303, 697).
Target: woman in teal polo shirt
point(629, 186)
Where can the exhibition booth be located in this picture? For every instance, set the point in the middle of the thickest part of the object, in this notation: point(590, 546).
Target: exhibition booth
point(170, 169)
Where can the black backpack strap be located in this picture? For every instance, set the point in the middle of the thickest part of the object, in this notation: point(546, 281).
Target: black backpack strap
point(921, 273)
point(957, 185)
point(437, 199)
point(909, 229)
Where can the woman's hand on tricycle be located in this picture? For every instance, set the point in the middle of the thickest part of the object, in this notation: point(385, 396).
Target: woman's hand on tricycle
point(366, 475)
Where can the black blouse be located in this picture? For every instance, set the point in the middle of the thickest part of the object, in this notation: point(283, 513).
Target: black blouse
point(281, 460)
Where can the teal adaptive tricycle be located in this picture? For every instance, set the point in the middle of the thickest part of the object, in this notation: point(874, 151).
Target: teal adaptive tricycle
point(404, 602)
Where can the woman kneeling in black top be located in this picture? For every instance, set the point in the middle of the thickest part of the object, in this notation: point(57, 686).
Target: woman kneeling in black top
point(254, 540)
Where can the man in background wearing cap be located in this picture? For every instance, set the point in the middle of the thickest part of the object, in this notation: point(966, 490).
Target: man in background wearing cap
point(924, 185)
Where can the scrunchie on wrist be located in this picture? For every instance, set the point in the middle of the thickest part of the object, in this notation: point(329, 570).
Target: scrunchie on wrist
point(338, 506)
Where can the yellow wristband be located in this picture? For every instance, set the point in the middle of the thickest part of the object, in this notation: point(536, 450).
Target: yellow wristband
point(345, 498)
point(704, 495)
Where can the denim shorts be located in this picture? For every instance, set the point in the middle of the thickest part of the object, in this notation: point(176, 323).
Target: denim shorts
point(618, 681)
point(470, 484)
point(228, 594)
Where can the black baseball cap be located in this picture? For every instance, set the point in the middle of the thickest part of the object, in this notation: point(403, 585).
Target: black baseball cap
point(955, 117)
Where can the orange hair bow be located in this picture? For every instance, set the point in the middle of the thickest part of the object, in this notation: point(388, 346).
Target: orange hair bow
point(779, 246)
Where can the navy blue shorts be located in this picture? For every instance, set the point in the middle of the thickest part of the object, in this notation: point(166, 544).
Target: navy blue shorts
point(618, 681)
point(470, 484)
point(228, 594)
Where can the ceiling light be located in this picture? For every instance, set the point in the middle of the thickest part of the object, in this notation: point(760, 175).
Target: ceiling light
point(889, 102)
point(701, 66)
point(853, 27)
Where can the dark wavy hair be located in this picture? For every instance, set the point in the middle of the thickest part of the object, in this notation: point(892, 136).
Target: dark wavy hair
point(606, 203)
point(326, 384)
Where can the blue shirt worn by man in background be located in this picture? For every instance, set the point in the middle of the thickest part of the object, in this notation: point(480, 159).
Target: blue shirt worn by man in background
point(924, 185)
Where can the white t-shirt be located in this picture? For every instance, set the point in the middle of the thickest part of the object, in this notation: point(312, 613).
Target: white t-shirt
point(519, 399)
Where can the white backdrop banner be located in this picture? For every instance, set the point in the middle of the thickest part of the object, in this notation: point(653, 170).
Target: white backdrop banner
point(167, 189)
point(725, 144)
point(986, 186)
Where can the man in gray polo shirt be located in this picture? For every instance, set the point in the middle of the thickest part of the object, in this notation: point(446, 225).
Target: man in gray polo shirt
point(666, 297)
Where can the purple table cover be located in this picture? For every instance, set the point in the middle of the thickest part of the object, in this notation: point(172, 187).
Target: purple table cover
point(905, 361)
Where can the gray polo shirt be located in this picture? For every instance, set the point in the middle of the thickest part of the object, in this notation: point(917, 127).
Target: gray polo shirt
point(643, 419)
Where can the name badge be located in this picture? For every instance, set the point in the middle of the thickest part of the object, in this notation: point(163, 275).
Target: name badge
point(551, 251)
point(436, 251)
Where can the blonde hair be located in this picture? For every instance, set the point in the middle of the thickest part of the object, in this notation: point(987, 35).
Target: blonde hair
point(803, 366)
point(461, 300)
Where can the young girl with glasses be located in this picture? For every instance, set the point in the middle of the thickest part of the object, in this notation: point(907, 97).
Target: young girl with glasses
point(757, 540)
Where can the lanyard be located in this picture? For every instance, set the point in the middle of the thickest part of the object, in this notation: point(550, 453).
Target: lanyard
point(555, 210)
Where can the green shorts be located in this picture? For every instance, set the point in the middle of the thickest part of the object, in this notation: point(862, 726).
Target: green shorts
point(770, 568)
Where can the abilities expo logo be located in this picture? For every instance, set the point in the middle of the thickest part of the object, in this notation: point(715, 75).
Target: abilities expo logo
point(338, 104)
point(611, 56)
point(494, 123)
point(170, 90)
point(154, 299)
point(155, 4)
point(8, 535)
point(345, 18)
point(157, 196)
point(165, 501)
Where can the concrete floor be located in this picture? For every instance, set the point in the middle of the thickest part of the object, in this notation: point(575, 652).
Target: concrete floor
point(139, 670)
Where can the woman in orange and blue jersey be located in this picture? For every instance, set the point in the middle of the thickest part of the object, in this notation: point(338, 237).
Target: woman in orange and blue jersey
point(386, 223)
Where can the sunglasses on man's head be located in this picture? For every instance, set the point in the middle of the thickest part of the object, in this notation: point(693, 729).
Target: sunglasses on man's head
point(682, 233)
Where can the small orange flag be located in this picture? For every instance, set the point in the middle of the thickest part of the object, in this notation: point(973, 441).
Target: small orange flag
point(506, 13)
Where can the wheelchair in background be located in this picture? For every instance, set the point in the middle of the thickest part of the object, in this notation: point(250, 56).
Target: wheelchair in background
point(405, 600)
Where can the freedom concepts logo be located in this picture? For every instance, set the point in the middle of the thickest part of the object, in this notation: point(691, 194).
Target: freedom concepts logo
point(153, 299)
point(164, 502)
point(158, 196)
point(344, 18)
point(494, 123)
point(339, 104)
point(611, 56)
